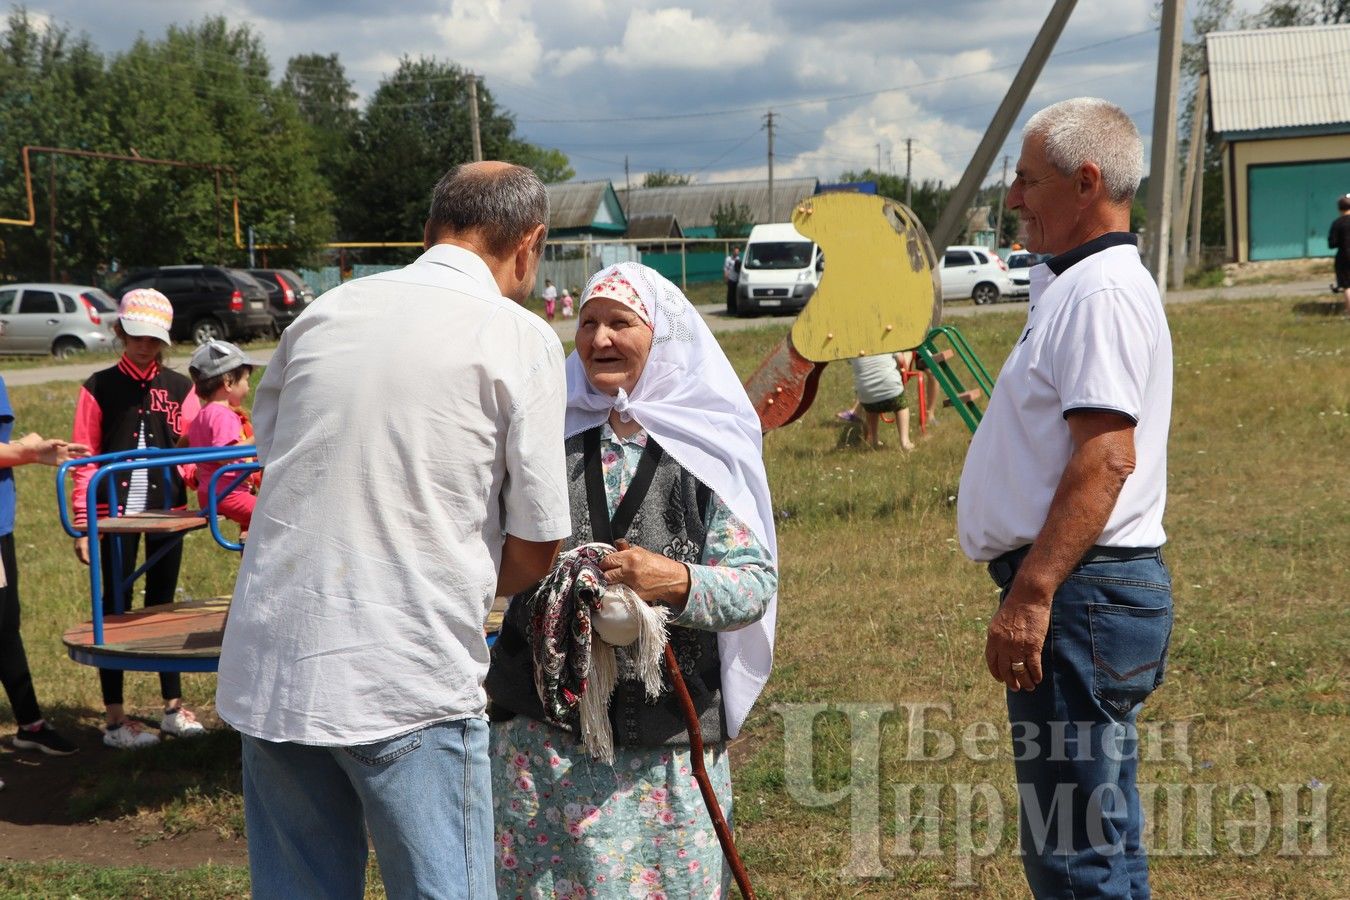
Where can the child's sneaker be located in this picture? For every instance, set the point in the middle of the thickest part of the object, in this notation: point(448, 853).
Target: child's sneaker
point(45, 738)
point(181, 723)
point(128, 736)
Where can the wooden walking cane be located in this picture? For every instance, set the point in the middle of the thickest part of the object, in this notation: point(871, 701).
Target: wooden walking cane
point(701, 776)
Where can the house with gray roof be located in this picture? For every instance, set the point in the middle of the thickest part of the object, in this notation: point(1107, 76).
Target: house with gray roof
point(693, 205)
point(1280, 105)
point(580, 209)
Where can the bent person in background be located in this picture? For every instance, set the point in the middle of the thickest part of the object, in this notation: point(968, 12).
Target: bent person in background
point(1062, 495)
point(409, 424)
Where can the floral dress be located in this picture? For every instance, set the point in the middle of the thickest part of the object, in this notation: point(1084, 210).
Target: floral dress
point(567, 826)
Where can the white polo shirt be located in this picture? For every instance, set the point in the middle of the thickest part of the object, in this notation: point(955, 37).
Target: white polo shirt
point(406, 421)
point(1096, 338)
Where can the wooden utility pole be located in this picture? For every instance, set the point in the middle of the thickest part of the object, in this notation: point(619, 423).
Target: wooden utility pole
point(954, 216)
point(768, 119)
point(1195, 156)
point(473, 117)
point(1002, 192)
point(51, 225)
point(1162, 171)
point(909, 184)
point(1197, 194)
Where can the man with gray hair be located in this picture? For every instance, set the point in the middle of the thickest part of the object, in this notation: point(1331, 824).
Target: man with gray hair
point(410, 424)
point(1062, 496)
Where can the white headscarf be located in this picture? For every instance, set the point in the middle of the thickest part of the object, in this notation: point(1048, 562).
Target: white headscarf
point(690, 401)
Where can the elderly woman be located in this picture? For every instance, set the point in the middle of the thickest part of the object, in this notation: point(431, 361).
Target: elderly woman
point(656, 417)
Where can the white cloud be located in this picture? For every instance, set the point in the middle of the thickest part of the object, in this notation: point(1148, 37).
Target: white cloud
point(675, 38)
point(492, 37)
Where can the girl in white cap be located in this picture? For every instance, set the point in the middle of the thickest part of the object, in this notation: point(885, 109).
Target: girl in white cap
point(134, 404)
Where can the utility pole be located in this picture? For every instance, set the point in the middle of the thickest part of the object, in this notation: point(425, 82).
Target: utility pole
point(1194, 163)
point(51, 227)
point(627, 186)
point(890, 162)
point(1002, 192)
point(909, 185)
point(878, 157)
point(954, 216)
point(473, 117)
point(1162, 174)
point(769, 125)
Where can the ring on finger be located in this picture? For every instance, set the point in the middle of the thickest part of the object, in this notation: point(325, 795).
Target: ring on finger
point(1019, 666)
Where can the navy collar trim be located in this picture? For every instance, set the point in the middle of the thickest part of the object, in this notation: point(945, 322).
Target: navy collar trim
point(1060, 264)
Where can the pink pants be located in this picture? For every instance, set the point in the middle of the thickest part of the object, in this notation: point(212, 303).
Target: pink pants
point(237, 505)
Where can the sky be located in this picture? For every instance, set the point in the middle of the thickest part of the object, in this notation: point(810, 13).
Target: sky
point(686, 86)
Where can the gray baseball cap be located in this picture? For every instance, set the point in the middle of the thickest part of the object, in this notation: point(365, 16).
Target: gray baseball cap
point(218, 357)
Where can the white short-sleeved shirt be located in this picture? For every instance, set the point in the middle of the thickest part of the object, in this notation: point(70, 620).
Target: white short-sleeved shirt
point(876, 378)
point(406, 421)
point(1096, 339)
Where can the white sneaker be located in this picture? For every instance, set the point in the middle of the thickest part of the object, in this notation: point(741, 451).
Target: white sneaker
point(129, 736)
point(181, 723)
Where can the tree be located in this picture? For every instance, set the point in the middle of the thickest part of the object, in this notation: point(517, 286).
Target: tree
point(665, 178)
point(201, 94)
point(929, 197)
point(731, 220)
point(415, 127)
point(50, 94)
point(324, 97)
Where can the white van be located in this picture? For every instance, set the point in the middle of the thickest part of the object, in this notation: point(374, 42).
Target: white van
point(780, 270)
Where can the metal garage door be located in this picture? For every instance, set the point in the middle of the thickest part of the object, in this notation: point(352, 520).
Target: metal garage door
point(1290, 208)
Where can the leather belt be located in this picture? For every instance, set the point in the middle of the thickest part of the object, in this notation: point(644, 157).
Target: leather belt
point(1004, 568)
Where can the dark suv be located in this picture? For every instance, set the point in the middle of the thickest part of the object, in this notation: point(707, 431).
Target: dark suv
point(209, 302)
point(287, 294)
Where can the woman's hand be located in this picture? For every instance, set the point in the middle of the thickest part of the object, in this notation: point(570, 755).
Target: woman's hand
point(654, 577)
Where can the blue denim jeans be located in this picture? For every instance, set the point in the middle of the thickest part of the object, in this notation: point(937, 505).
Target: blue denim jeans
point(1075, 745)
point(424, 797)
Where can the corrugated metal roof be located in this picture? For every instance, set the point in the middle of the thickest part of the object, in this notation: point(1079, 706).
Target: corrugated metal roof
point(659, 225)
point(574, 204)
point(1279, 78)
point(693, 204)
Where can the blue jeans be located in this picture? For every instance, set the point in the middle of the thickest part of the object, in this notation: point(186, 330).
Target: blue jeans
point(1075, 745)
point(425, 797)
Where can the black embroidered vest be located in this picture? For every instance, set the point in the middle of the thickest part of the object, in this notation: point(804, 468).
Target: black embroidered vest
point(125, 405)
point(670, 522)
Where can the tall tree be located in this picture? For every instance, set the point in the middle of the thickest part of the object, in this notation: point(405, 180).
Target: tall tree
point(415, 127)
point(50, 94)
point(323, 94)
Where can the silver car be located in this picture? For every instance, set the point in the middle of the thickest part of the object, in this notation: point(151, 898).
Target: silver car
point(60, 319)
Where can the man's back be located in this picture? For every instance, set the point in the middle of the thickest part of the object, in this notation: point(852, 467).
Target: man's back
point(393, 413)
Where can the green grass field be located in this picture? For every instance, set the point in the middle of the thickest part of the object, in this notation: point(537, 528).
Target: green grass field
point(880, 608)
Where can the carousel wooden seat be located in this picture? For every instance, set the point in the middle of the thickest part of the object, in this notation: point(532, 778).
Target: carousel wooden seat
point(154, 521)
point(174, 637)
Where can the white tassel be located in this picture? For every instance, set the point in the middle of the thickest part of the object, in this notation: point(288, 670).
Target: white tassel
point(596, 734)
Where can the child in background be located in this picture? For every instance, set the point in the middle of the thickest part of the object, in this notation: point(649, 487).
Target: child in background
point(137, 404)
point(220, 374)
point(881, 389)
point(567, 304)
point(550, 299)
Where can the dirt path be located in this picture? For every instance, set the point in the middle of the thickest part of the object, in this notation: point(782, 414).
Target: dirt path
point(38, 824)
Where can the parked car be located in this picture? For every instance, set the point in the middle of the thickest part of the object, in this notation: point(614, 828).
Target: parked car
point(60, 319)
point(1019, 270)
point(209, 302)
point(974, 272)
point(287, 294)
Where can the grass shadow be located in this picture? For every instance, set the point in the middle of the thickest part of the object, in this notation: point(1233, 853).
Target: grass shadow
point(1319, 308)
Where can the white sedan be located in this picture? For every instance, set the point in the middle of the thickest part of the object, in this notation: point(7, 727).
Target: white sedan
point(974, 272)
